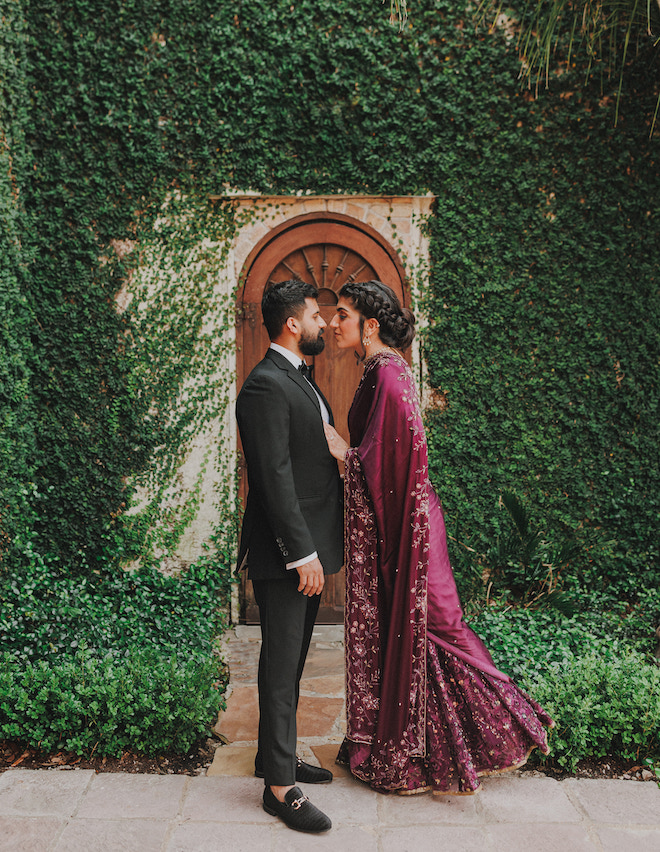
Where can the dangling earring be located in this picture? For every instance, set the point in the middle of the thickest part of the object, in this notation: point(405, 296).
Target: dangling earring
point(366, 340)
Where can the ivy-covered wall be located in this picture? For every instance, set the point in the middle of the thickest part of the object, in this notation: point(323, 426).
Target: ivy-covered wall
point(16, 410)
point(543, 291)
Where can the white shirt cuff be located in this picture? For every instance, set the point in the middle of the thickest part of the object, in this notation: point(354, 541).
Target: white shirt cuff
point(299, 562)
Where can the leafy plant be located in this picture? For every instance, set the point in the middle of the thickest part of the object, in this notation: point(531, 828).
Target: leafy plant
point(120, 660)
point(592, 672)
point(521, 562)
point(44, 615)
point(105, 705)
point(610, 33)
point(602, 706)
point(524, 641)
point(527, 564)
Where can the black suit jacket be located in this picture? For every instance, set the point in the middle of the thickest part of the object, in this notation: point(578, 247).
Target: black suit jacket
point(294, 503)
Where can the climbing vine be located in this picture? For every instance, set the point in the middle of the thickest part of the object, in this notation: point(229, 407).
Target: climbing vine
point(181, 310)
point(121, 119)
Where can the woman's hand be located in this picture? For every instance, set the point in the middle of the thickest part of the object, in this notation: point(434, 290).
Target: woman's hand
point(336, 444)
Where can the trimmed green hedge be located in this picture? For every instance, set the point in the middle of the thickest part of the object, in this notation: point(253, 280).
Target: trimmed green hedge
point(602, 706)
point(104, 706)
point(109, 663)
point(592, 672)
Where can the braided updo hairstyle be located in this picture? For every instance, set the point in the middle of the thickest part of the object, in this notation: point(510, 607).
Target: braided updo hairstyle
point(375, 300)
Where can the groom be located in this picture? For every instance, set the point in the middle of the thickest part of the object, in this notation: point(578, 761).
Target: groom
point(291, 535)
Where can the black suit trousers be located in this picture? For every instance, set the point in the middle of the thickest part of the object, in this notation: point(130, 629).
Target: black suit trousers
point(287, 623)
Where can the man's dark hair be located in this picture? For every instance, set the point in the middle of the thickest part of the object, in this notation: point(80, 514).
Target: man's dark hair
point(283, 300)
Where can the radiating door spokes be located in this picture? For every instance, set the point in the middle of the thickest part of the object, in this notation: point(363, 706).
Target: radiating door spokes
point(325, 265)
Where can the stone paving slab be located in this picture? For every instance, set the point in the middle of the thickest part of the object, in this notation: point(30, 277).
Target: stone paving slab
point(225, 800)
point(243, 646)
point(345, 838)
point(240, 721)
point(616, 801)
point(331, 686)
point(623, 839)
point(33, 793)
point(155, 813)
point(346, 801)
point(429, 810)
point(425, 837)
point(320, 717)
point(28, 834)
point(544, 837)
point(320, 661)
point(233, 760)
point(526, 798)
point(100, 835)
point(129, 796)
point(204, 837)
point(326, 756)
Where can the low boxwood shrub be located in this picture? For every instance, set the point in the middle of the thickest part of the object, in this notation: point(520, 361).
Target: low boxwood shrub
point(602, 706)
point(592, 672)
point(44, 614)
point(525, 641)
point(84, 704)
point(118, 661)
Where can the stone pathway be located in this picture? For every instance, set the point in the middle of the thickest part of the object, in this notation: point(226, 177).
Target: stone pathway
point(78, 810)
point(321, 722)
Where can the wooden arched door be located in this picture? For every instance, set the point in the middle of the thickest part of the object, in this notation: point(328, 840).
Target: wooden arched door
point(326, 250)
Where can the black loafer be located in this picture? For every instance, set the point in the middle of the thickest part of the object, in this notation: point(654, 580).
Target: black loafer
point(297, 811)
point(305, 772)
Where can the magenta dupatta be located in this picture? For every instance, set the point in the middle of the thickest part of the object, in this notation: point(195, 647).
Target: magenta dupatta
point(400, 586)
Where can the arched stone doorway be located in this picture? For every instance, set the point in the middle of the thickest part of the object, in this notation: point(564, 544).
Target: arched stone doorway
point(325, 249)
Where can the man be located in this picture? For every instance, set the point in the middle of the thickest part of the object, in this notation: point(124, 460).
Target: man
point(291, 536)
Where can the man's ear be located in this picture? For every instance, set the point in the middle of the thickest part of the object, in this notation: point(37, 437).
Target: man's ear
point(293, 325)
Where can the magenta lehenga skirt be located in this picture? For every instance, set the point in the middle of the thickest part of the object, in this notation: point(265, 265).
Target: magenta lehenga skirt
point(476, 725)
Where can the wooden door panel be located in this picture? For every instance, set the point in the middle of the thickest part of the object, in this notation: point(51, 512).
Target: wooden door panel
point(326, 251)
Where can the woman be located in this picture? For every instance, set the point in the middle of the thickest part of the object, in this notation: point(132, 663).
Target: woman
point(426, 706)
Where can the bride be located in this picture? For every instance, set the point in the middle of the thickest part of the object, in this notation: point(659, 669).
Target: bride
point(426, 707)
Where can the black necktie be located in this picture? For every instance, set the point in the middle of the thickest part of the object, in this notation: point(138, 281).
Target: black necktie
point(305, 370)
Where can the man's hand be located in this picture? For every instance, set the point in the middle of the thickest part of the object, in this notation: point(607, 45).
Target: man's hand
point(311, 577)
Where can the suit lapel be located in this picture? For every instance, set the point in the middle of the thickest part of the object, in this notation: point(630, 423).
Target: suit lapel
point(297, 377)
point(325, 401)
point(300, 380)
point(294, 374)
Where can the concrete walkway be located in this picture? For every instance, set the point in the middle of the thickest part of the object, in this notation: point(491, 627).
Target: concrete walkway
point(79, 810)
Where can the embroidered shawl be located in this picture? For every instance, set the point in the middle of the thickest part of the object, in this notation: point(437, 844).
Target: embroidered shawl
point(400, 587)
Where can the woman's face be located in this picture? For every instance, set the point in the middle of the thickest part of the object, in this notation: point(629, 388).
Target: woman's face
point(346, 326)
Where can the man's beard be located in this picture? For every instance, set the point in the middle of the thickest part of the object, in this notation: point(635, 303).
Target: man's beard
point(311, 345)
